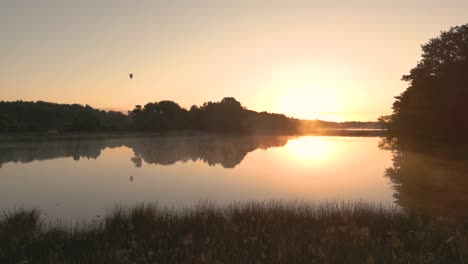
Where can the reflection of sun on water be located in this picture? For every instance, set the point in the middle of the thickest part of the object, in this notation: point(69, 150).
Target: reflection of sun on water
point(310, 149)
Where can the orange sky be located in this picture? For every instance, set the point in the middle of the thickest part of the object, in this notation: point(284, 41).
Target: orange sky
point(331, 60)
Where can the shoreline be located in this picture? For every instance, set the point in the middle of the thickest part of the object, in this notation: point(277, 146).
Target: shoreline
point(11, 137)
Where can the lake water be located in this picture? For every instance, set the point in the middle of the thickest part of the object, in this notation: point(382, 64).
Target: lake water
point(81, 179)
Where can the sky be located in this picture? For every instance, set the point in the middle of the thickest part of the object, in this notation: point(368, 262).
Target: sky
point(330, 60)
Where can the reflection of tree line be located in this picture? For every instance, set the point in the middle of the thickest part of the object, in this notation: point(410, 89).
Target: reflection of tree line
point(227, 151)
point(431, 180)
point(31, 151)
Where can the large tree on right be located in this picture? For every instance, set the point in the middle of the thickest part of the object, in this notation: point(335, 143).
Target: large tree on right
point(435, 104)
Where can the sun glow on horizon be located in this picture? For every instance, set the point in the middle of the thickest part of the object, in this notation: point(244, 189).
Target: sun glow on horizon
point(309, 102)
point(306, 90)
point(324, 60)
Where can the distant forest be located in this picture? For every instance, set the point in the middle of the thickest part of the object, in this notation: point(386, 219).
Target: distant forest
point(226, 117)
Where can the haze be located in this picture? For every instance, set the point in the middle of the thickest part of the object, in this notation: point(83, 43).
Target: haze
point(331, 60)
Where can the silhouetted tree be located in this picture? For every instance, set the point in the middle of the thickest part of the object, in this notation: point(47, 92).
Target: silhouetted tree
point(227, 116)
point(162, 116)
point(434, 106)
point(40, 116)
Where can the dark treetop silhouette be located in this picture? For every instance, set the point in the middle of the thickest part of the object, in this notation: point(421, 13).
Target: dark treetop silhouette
point(225, 117)
point(428, 129)
point(42, 116)
point(434, 106)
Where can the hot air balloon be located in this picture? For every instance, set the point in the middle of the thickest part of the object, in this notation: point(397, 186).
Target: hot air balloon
point(130, 75)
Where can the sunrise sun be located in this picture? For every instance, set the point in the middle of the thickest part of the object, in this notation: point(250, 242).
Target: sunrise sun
point(309, 101)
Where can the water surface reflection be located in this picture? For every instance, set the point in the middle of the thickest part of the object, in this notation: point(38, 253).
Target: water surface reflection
point(227, 151)
point(82, 178)
point(432, 179)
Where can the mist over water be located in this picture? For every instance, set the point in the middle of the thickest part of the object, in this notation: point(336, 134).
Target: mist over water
point(81, 179)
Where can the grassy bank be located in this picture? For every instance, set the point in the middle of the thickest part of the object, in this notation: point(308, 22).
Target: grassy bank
point(273, 232)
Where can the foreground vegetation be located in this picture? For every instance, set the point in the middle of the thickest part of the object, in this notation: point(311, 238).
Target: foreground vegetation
point(274, 232)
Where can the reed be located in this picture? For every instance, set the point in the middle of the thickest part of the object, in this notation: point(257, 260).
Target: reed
point(248, 232)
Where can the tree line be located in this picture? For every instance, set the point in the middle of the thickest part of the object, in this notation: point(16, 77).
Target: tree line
point(225, 116)
point(20, 116)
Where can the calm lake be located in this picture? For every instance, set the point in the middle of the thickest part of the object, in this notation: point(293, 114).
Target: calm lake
point(82, 179)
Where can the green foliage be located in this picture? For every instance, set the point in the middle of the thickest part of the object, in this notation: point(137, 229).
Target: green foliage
point(434, 105)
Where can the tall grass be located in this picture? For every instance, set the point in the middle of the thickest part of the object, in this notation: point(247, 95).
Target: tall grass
point(250, 232)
